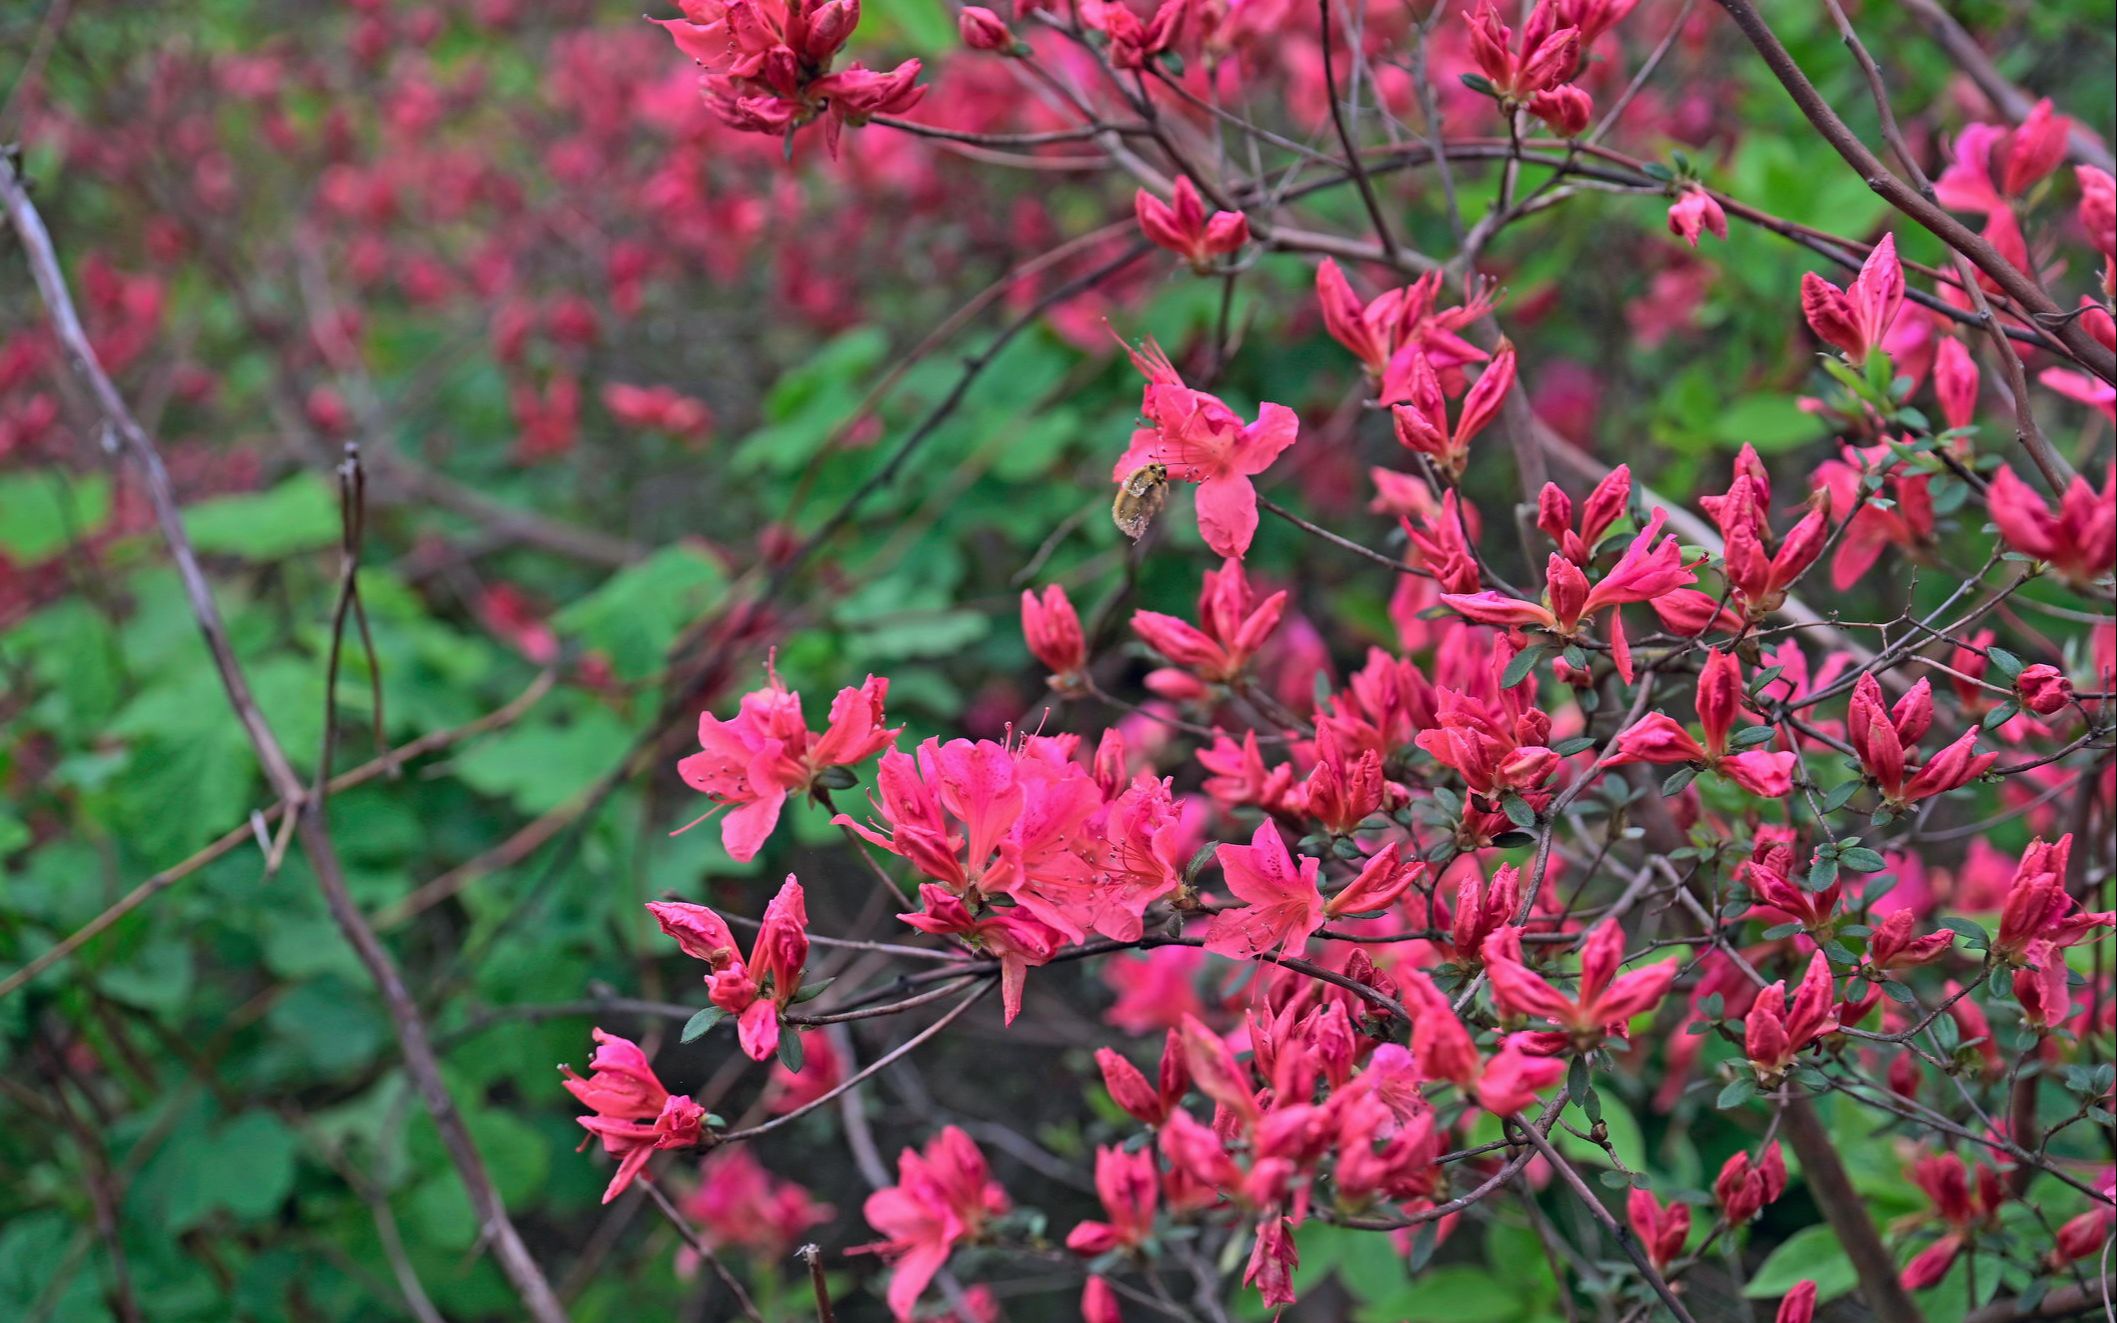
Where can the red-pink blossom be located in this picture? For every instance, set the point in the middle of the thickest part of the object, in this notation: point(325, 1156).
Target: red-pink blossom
point(1182, 226)
point(1198, 439)
point(634, 1115)
point(944, 1197)
point(1857, 318)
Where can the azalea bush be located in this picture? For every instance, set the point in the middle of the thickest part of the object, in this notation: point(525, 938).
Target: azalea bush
point(1114, 660)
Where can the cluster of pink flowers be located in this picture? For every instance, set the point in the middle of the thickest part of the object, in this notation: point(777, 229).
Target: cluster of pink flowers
point(768, 65)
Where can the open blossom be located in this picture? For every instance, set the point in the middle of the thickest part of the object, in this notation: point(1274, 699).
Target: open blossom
point(1777, 1029)
point(1904, 520)
point(767, 752)
point(1422, 418)
point(1182, 226)
point(2038, 907)
point(738, 1204)
point(1745, 1188)
point(1650, 567)
point(1884, 738)
point(1388, 333)
point(1694, 212)
point(1605, 1001)
point(944, 1197)
point(1547, 56)
point(1128, 1184)
point(1659, 739)
point(1961, 1202)
point(1134, 41)
point(1857, 318)
point(756, 992)
point(1992, 164)
point(987, 819)
point(768, 65)
point(1233, 624)
point(1198, 439)
point(1282, 905)
point(1515, 1076)
point(634, 1115)
point(2079, 539)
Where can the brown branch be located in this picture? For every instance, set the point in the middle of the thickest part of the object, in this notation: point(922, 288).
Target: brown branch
point(1847, 1214)
point(1618, 1232)
point(2081, 144)
point(2024, 290)
point(122, 434)
point(390, 763)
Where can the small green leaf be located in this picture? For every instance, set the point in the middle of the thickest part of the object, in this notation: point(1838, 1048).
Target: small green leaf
point(790, 1051)
point(1736, 1094)
point(1524, 662)
point(701, 1022)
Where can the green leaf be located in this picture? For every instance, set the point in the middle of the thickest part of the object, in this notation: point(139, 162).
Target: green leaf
point(1772, 423)
point(1812, 1253)
point(2006, 663)
point(300, 514)
point(1678, 779)
point(1518, 810)
point(1860, 859)
point(639, 611)
point(1524, 662)
point(43, 512)
point(698, 1024)
point(1736, 1093)
point(790, 1049)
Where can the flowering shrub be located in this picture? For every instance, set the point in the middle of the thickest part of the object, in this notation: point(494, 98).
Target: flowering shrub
point(1576, 778)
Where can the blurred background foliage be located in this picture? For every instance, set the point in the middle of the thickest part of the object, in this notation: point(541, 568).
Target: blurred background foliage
point(296, 224)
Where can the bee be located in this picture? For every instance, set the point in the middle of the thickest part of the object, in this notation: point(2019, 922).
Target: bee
point(1140, 497)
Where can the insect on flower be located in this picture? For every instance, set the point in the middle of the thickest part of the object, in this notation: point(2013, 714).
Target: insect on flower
point(1140, 497)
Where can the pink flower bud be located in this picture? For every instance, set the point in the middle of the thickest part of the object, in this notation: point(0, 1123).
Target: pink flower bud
point(983, 30)
point(2043, 689)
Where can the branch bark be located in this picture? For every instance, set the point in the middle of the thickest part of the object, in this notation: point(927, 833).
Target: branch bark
point(1847, 1214)
point(124, 438)
point(2020, 287)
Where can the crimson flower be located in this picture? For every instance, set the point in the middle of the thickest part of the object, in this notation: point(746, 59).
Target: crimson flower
point(1744, 1188)
point(634, 1114)
point(944, 1197)
point(1657, 738)
point(767, 752)
point(2079, 540)
point(1199, 439)
point(1605, 1002)
point(1283, 907)
point(1777, 1029)
point(1857, 318)
point(1182, 226)
point(758, 992)
point(1882, 738)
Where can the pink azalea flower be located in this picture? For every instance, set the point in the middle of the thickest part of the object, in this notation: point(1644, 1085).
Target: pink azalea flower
point(1283, 905)
point(943, 1198)
point(753, 762)
point(1198, 439)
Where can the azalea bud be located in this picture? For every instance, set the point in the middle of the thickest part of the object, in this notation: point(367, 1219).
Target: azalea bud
point(982, 30)
point(1053, 631)
point(1799, 1306)
point(1694, 212)
point(1566, 109)
point(2043, 689)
